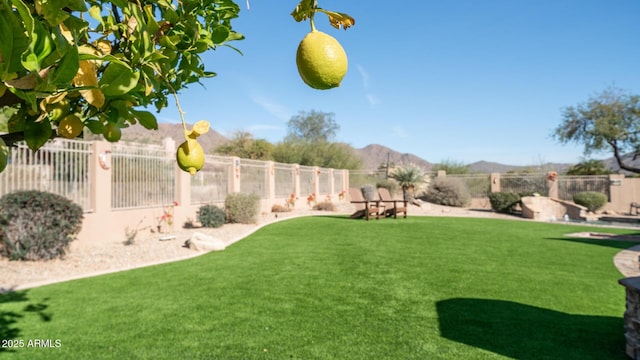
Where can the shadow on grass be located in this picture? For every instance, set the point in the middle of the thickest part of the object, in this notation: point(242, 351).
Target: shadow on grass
point(9, 329)
point(616, 244)
point(527, 332)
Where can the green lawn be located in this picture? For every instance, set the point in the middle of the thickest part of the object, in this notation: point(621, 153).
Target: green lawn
point(334, 288)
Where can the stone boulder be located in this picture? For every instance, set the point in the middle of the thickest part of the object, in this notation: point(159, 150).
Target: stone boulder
point(204, 242)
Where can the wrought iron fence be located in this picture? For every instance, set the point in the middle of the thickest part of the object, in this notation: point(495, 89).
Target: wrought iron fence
point(253, 178)
point(568, 186)
point(324, 181)
point(479, 185)
point(338, 181)
point(60, 166)
point(307, 178)
point(358, 178)
point(524, 183)
point(284, 175)
point(212, 183)
point(142, 176)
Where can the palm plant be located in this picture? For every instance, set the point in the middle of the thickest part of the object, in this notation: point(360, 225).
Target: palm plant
point(408, 176)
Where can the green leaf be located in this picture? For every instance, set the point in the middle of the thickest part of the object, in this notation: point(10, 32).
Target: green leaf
point(67, 68)
point(14, 42)
point(36, 133)
point(52, 11)
point(304, 10)
point(96, 12)
point(118, 80)
point(76, 5)
point(219, 34)
point(94, 126)
point(146, 119)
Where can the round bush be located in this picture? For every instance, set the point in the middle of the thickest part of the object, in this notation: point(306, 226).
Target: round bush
point(448, 192)
point(211, 216)
point(36, 225)
point(590, 199)
point(504, 202)
point(242, 208)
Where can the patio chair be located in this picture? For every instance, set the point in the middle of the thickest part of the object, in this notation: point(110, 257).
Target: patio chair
point(392, 207)
point(364, 208)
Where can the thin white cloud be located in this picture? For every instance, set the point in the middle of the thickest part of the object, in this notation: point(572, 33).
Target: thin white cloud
point(373, 100)
point(272, 107)
point(366, 83)
point(399, 132)
point(365, 76)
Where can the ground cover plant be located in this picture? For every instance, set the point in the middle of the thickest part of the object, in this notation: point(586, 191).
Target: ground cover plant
point(335, 288)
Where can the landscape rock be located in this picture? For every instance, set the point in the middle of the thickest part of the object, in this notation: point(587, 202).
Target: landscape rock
point(203, 242)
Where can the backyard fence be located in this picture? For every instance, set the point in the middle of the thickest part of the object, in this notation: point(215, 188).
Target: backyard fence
point(620, 191)
point(60, 167)
point(146, 176)
point(132, 186)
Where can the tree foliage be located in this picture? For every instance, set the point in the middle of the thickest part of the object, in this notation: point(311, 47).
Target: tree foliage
point(451, 167)
point(99, 64)
point(243, 145)
point(103, 60)
point(333, 155)
point(609, 121)
point(309, 141)
point(589, 167)
point(312, 127)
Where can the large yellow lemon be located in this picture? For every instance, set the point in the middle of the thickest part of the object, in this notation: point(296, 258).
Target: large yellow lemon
point(70, 127)
point(321, 60)
point(190, 157)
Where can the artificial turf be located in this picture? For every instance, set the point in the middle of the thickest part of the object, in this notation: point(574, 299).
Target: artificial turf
point(335, 288)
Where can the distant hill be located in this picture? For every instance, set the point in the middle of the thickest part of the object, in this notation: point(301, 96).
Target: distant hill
point(139, 134)
point(493, 167)
point(612, 164)
point(374, 155)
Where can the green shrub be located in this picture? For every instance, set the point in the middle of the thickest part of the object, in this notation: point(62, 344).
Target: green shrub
point(590, 199)
point(504, 202)
point(449, 192)
point(324, 206)
point(211, 216)
point(36, 225)
point(242, 208)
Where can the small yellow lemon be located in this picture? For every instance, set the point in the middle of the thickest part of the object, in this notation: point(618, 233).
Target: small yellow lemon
point(4, 155)
point(112, 132)
point(70, 127)
point(321, 60)
point(58, 110)
point(190, 156)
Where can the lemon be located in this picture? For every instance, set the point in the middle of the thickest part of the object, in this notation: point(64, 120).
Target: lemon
point(190, 156)
point(58, 110)
point(70, 127)
point(112, 132)
point(4, 155)
point(321, 60)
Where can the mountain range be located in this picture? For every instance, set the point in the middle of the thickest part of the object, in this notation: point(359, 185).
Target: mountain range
point(372, 156)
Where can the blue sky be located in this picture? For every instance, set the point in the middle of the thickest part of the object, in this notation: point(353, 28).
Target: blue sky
point(457, 80)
